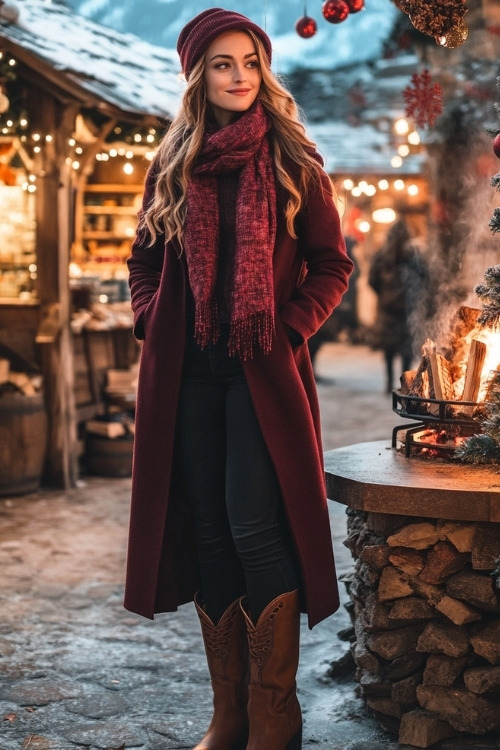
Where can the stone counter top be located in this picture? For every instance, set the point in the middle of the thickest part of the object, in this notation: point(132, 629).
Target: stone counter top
point(374, 477)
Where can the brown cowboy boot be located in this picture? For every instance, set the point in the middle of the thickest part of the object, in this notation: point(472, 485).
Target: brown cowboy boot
point(226, 648)
point(273, 709)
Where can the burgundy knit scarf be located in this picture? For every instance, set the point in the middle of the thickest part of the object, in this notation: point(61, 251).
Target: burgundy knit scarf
point(242, 144)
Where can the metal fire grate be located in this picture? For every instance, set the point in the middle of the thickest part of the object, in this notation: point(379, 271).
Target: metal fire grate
point(442, 420)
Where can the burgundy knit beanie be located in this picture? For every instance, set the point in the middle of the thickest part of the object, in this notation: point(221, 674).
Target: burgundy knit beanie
point(200, 32)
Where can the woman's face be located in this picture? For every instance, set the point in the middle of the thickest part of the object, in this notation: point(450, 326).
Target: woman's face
point(232, 75)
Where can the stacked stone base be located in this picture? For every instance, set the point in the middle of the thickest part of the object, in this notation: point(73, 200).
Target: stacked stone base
point(426, 611)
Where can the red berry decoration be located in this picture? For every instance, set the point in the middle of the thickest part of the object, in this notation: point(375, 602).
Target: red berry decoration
point(306, 27)
point(496, 145)
point(355, 5)
point(335, 11)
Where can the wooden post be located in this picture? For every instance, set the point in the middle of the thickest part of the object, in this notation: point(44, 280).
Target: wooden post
point(54, 122)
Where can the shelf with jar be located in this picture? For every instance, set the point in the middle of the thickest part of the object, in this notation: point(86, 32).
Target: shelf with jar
point(109, 214)
point(105, 225)
point(17, 240)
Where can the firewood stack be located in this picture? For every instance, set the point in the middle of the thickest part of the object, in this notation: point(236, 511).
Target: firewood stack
point(426, 614)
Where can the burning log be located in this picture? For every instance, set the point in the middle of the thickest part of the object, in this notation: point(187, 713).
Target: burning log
point(456, 374)
point(477, 355)
point(475, 363)
point(440, 380)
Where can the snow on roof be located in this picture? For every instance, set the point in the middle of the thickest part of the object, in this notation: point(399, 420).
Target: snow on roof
point(359, 150)
point(121, 69)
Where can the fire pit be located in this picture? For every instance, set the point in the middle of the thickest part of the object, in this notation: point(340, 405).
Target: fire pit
point(441, 424)
point(425, 538)
point(424, 531)
point(446, 394)
point(425, 591)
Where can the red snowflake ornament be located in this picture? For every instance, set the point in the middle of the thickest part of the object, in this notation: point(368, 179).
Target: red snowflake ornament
point(423, 99)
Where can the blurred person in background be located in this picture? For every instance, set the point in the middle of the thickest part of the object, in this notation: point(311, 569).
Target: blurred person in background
point(399, 276)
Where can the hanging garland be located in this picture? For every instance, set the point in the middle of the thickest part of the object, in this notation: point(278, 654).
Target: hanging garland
point(441, 19)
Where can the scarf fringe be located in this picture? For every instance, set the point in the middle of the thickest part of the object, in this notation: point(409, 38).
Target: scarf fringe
point(257, 329)
point(206, 326)
point(245, 334)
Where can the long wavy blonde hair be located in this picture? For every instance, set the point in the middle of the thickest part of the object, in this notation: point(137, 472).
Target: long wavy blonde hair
point(181, 145)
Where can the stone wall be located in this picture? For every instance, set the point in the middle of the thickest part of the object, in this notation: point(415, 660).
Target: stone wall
point(426, 614)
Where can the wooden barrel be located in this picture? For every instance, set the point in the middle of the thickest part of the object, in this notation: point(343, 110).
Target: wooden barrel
point(109, 457)
point(23, 443)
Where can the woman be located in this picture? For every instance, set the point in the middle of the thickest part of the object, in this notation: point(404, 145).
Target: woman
point(238, 260)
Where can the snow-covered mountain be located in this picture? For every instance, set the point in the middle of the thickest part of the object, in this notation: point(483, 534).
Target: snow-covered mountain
point(358, 38)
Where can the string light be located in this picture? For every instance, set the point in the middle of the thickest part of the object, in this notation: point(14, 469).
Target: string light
point(384, 215)
point(16, 124)
point(401, 126)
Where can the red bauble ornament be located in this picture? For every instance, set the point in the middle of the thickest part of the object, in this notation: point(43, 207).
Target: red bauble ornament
point(355, 5)
point(335, 11)
point(306, 27)
point(496, 145)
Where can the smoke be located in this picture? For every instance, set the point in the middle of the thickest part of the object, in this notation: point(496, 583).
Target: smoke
point(462, 247)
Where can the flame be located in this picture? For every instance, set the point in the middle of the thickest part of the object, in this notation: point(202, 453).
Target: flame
point(428, 347)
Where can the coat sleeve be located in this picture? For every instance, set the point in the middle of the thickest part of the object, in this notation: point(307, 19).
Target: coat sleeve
point(327, 265)
point(145, 262)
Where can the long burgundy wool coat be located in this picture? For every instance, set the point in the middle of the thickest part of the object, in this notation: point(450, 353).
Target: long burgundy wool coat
point(310, 277)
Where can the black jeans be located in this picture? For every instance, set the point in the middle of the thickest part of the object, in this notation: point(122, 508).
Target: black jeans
point(230, 481)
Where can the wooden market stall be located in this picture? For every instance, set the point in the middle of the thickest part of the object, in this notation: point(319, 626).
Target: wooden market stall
point(81, 110)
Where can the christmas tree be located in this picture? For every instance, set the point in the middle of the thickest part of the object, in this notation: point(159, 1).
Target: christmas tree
point(485, 447)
